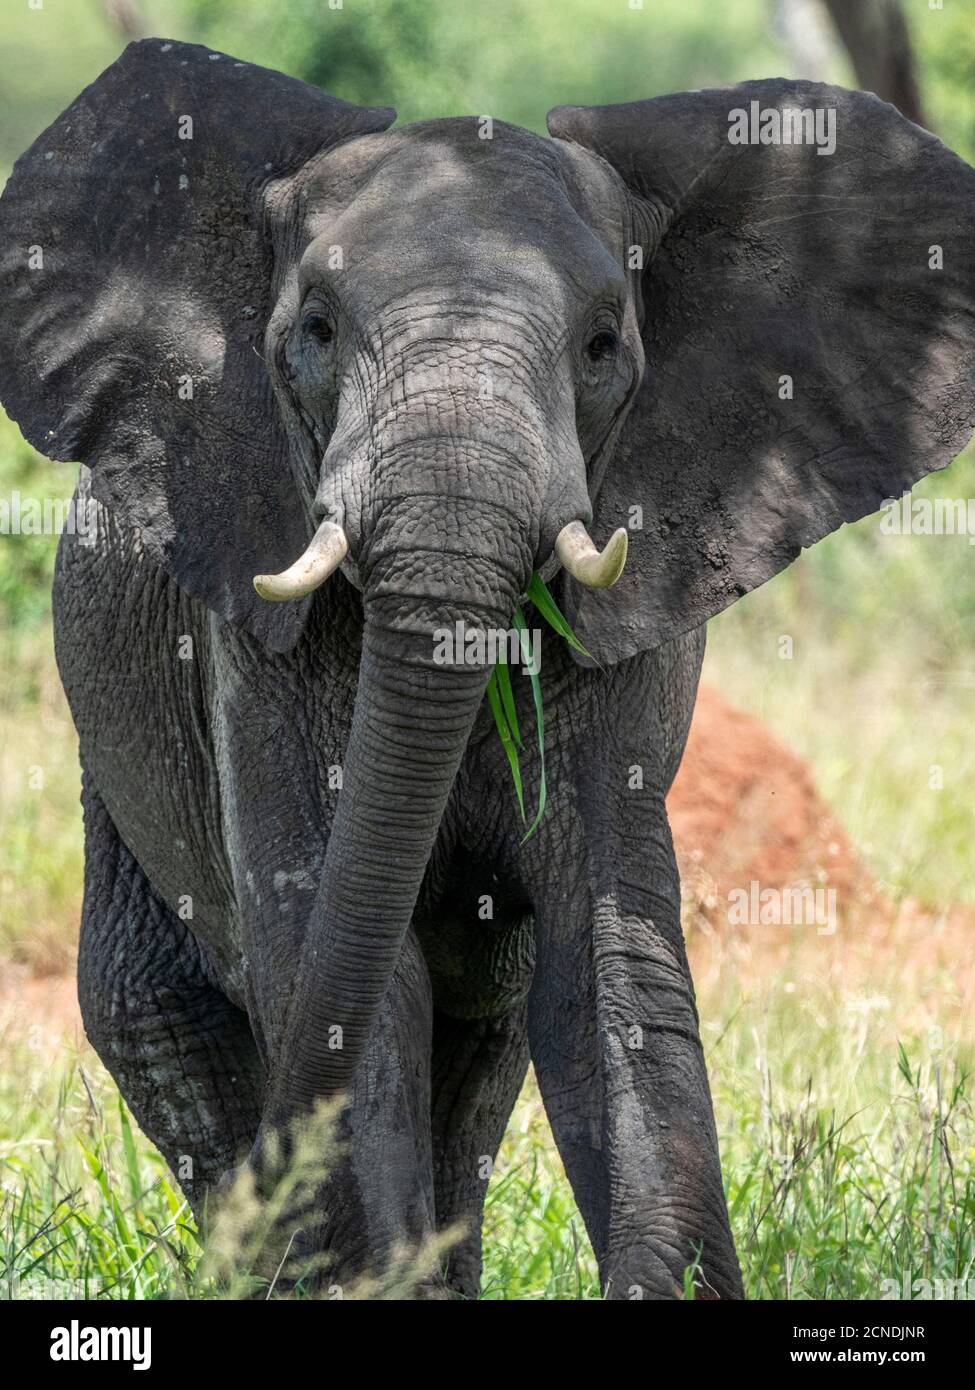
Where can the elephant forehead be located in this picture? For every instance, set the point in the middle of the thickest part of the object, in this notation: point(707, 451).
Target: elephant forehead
point(448, 199)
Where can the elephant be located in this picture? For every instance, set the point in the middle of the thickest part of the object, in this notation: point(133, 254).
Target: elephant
point(337, 385)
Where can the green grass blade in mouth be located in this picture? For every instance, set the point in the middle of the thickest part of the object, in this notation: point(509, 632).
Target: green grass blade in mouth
point(522, 629)
point(502, 674)
point(501, 695)
point(539, 594)
point(507, 740)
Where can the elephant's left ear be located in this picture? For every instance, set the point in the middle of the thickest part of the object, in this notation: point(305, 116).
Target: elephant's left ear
point(809, 330)
point(136, 283)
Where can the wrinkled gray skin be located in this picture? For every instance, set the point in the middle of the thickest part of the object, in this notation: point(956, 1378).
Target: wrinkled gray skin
point(453, 394)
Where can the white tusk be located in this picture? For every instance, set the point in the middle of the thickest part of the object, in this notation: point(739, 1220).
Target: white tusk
point(576, 551)
point(326, 550)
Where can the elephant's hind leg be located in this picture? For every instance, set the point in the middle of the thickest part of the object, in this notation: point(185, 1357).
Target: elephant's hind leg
point(183, 1056)
point(479, 1067)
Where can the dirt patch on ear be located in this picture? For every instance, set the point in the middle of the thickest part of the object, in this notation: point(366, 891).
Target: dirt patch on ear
point(744, 809)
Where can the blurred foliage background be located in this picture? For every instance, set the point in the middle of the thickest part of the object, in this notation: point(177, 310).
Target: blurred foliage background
point(877, 693)
point(509, 59)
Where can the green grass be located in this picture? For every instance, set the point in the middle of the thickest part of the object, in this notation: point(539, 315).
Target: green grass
point(87, 1207)
point(40, 815)
point(848, 1161)
point(842, 1172)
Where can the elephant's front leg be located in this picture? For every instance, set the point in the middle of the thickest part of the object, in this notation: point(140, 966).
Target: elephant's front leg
point(614, 1038)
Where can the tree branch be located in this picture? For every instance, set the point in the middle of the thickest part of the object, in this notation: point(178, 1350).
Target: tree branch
point(877, 39)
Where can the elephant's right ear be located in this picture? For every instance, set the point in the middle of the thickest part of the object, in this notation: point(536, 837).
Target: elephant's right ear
point(136, 280)
point(809, 334)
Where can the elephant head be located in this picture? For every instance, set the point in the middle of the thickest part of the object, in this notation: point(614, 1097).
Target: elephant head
point(287, 339)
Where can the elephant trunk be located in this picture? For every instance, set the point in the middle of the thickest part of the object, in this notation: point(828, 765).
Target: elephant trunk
point(412, 721)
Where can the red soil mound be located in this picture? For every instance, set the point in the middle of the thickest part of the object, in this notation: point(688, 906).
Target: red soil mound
point(744, 809)
point(40, 1011)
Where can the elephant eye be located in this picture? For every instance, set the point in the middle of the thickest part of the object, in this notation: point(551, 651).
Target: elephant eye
point(602, 345)
point(318, 327)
